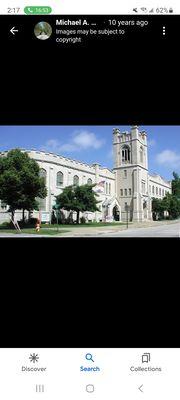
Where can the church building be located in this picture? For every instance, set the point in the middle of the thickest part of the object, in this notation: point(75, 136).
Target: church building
point(127, 188)
point(135, 186)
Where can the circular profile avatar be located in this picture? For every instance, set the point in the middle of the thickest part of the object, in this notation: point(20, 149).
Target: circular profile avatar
point(43, 30)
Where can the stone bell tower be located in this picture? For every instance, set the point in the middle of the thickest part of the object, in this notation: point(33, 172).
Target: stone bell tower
point(131, 170)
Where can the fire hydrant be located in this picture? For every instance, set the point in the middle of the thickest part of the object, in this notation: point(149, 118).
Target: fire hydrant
point(38, 225)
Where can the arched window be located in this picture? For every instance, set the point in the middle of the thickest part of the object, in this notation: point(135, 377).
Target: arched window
point(59, 179)
point(109, 188)
point(106, 188)
point(76, 180)
point(126, 154)
point(43, 174)
point(89, 181)
point(141, 154)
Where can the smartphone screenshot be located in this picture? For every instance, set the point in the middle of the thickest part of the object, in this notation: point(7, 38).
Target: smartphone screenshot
point(89, 199)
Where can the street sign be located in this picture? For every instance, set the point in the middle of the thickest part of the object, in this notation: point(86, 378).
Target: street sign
point(45, 217)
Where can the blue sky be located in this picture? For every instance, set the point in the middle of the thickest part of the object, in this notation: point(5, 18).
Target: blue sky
point(94, 143)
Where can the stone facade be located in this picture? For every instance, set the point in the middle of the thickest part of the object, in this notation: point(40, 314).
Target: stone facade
point(60, 172)
point(127, 186)
point(135, 187)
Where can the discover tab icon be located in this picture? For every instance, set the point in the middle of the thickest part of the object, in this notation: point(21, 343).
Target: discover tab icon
point(34, 358)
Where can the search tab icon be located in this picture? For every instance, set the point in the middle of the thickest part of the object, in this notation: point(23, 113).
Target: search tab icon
point(89, 357)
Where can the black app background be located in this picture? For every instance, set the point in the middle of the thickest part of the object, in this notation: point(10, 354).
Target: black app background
point(88, 292)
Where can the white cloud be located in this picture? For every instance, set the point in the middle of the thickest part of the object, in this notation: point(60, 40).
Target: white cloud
point(67, 147)
point(151, 142)
point(80, 140)
point(51, 144)
point(86, 139)
point(168, 158)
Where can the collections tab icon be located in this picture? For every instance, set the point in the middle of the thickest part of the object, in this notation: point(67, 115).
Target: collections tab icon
point(146, 357)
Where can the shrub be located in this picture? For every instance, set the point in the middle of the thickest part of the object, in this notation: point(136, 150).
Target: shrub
point(27, 223)
point(32, 221)
point(69, 219)
point(62, 218)
point(53, 218)
point(6, 225)
point(83, 220)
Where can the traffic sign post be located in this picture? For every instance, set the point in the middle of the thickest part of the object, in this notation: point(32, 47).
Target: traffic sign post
point(56, 209)
point(127, 216)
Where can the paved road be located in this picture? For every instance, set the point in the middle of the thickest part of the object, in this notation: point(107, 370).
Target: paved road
point(169, 230)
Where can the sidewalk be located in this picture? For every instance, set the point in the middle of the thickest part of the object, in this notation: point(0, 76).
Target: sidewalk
point(85, 231)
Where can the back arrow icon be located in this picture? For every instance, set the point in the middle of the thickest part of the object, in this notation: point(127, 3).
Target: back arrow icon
point(140, 388)
point(13, 30)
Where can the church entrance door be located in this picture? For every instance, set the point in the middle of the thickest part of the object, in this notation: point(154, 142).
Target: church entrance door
point(116, 214)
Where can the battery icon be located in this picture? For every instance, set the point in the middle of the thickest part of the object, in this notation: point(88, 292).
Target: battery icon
point(170, 10)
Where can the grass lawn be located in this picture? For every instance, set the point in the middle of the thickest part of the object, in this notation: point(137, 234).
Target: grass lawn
point(45, 226)
point(30, 231)
point(43, 231)
point(93, 224)
point(52, 229)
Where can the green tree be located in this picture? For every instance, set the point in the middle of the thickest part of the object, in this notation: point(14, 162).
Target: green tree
point(158, 208)
point(169, 203)
point(176, 185)
point(172, 201)
point(77, 198)
point(20, 183)
point(172, 205)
